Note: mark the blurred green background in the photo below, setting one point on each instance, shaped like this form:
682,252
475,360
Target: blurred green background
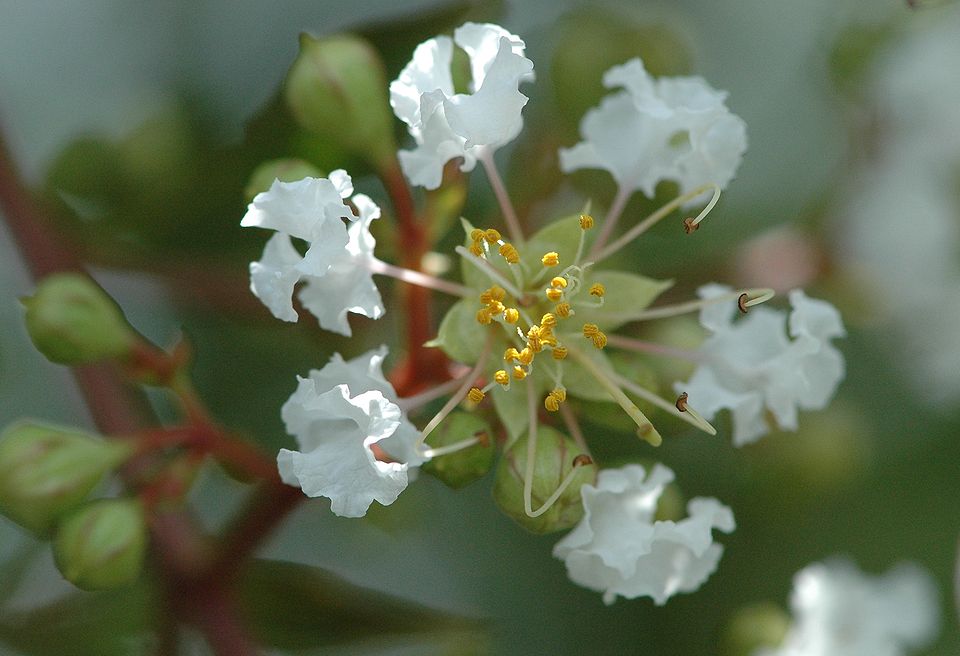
141,123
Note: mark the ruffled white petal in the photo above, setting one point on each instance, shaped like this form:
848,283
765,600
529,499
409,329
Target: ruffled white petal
446,125
751,365
839,611
620,550
311,209
273,278
668,129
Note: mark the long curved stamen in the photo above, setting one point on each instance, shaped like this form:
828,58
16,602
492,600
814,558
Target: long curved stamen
691,418
754,296
503,198
641,346
532,408
645,429
659,215
419,278
573,427
459,396
489,270
411,403
624,192
452,448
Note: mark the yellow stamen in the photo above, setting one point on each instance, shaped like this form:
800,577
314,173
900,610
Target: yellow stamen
525,356
511,315
599,340
484,317
511,354
548,320
554,294
550,259
475,395
519,373
495,307
509,253
554,399
476,249
492,236
559,352
497,293
559,283
502,377
590,329
476,234
562,310
597,289
586,221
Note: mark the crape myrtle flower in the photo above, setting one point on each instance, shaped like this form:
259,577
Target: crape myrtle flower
750,366
839,611
619,549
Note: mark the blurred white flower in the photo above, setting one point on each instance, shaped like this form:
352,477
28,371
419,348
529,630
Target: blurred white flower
336,415
750,365
445,124
619,549
672,128
839,611
336,267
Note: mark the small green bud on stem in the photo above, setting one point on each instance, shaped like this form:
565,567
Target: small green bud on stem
102,544
72,321
46,471
463,467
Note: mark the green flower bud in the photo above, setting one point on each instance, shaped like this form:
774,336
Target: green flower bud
555,458
284,170
337,88
460,468
102,545
46,471
754,627
72,321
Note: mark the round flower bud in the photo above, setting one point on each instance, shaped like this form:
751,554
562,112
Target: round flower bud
762,625
72,321
285,170
337,89
46,471
554,460
102,544
460,468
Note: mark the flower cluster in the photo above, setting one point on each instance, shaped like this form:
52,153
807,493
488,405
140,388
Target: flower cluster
536,321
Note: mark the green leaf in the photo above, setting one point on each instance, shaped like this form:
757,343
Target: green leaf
627,296
579,381
460,335
293,606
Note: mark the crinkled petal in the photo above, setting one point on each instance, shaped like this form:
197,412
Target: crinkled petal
483,42
437,145
273,278
310,209
428,70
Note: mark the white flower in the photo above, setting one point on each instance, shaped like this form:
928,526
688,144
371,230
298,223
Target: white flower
751,364
672,128
619,549
446,125
838,611
336,266
336,415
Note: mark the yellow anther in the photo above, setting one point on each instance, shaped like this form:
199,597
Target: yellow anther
554,294
554,399
497,293
519,373
550,259
476,234
491,235
590,329
486,297
597,289
511,315
502,377
559,352
495,307
476,248
525,356
560,393
586,221
599,340
562,310
510,253
475,395
548,320
559,283
511,354
548,340
484,317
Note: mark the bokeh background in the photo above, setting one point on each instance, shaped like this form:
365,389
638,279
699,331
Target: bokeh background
141,123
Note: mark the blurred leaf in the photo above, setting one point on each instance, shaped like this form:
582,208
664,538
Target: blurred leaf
83,624
294,606
627,296
460,335
854,54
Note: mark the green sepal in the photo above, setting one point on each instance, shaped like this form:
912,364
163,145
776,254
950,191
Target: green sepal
460,335
627,296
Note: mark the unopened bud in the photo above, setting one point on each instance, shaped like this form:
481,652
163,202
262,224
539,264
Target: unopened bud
337,89
102,544
46,471
753,628
72,321
556,456
463,467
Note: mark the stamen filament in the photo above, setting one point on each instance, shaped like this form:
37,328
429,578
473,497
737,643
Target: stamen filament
640,346
419,278
451,448
645,429
656,217
410,403
755,295
490,271
624,192
573,427
503,198
690,417
458,397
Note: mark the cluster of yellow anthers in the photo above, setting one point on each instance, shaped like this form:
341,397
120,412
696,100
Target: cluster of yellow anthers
542,336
